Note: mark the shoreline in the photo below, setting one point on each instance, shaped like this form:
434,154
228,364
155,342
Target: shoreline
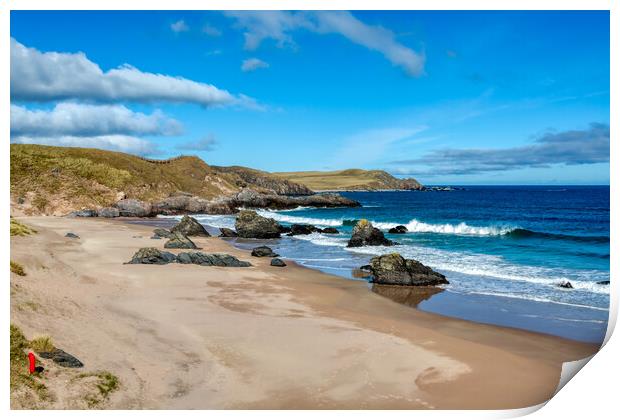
264,337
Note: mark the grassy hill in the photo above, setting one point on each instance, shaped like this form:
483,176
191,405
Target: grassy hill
349,179
56,180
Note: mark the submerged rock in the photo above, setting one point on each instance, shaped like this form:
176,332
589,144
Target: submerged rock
331,231
565,285
152,256
400,229
227,233
396,270
178,240
131,207
189,226
251,225
108,212
303,230
277,262
263,251
72,235
365,234
62,358
604,282
218,260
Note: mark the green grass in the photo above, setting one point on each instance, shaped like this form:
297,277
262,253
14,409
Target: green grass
20,229
106,383
20,376
42,343
349,179
17,268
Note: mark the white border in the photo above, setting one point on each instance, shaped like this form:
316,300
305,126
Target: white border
592,395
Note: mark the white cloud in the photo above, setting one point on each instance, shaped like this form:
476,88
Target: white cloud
278,25
252,64
204,144
73,119
179,26
119,143
211,30
52,76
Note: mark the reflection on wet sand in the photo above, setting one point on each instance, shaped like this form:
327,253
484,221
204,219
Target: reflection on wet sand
410,296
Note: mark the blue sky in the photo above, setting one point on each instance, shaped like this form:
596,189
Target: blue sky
446,97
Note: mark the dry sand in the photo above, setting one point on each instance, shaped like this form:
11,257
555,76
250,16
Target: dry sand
186,336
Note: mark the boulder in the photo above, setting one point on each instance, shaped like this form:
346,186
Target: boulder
131,207
565,285
83,213
162,233
263,251
250,225
218,260
72,235
396,270
178,240
227,233
331,231
277,262
365,234
108,212
152,256
221,205
62,358
171,205
285,229
303,230
400,229
189,226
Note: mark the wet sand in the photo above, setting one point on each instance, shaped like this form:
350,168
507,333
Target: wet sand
186,336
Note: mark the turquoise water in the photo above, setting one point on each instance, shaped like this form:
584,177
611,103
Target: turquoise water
503,249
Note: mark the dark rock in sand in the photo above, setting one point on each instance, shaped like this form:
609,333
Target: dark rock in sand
72,235
83,213
303,230
227,233
218,260
331,231
130,207
364,234
108,212
396,270
162,233
250,225
189,226
61,358
152,256
565,285
178,240
277,262
400,229
263,251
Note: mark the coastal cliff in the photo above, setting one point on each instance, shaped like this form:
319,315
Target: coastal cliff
350,180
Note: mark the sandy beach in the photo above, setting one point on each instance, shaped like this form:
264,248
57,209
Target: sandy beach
192,337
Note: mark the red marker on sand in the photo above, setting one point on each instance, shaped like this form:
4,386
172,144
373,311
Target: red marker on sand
32,362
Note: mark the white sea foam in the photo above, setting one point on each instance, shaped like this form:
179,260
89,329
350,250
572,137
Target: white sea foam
299,220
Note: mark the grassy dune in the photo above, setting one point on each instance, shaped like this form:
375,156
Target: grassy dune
349,179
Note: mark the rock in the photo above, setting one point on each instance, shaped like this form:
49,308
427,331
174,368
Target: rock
71,235
603,282
227,233
108,212
263,251
162,233
218,260
62,358
83,213
331,231
250,198
396,270
130,207
250,225
221,205
285,229
178,240
171,205
364,234
303,230
565,285
152,256
400,229
189,226
277,262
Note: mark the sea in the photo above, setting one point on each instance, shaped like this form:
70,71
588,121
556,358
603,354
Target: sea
504,250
